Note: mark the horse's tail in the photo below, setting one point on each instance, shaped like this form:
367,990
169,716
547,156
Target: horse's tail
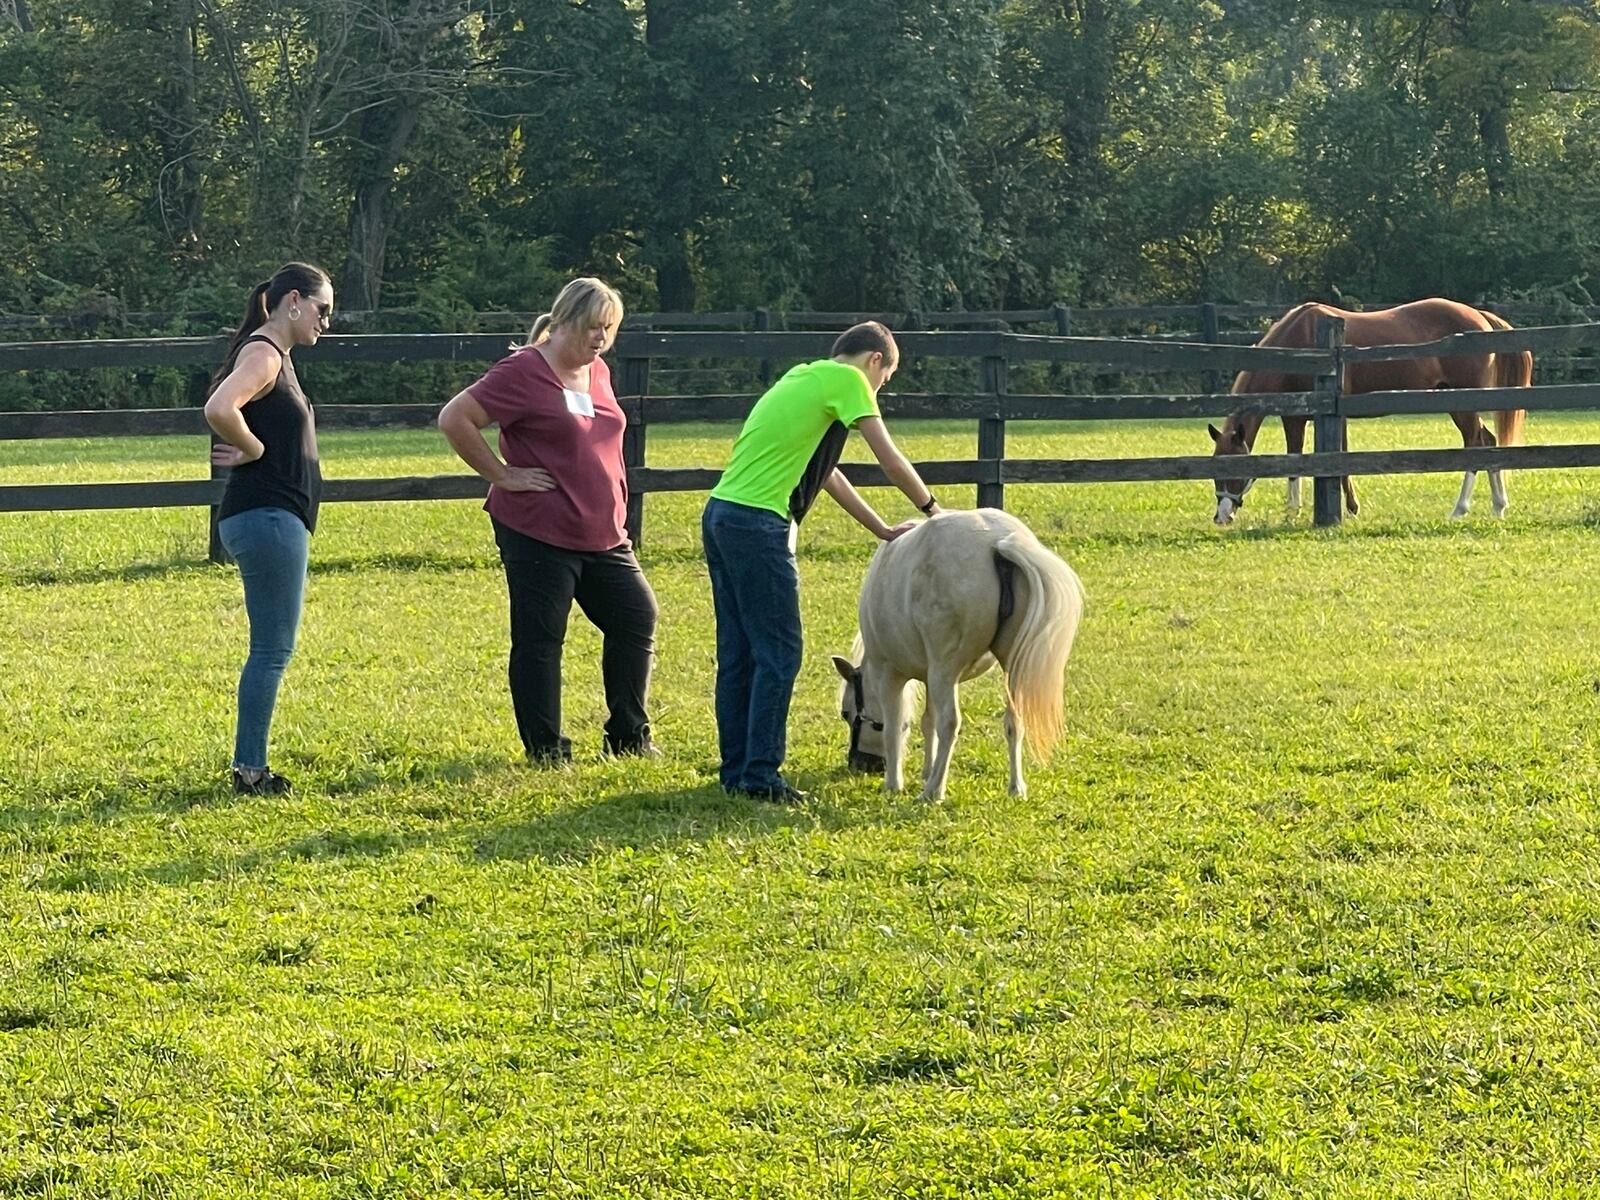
1038,658
1510,370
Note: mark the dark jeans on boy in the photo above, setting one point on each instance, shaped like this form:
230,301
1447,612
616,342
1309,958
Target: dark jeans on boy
613,593
755,589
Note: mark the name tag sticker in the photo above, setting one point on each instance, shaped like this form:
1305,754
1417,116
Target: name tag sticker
579,404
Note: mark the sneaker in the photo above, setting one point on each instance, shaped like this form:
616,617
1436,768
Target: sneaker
782,793
268,783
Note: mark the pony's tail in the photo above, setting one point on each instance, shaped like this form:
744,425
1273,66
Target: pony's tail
1510,370
1039,655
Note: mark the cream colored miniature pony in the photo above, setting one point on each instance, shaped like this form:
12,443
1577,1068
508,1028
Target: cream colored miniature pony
944,603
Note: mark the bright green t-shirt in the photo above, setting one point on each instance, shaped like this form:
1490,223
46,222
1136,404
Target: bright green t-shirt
785,428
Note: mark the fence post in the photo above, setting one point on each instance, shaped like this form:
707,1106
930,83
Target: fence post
199,393
1209,333
635,382
1060,374
763,322
993,371
1329,428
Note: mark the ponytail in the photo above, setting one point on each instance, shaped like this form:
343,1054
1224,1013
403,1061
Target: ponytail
255,315
541,329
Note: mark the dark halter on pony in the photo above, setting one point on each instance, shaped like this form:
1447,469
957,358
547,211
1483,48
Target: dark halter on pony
859,759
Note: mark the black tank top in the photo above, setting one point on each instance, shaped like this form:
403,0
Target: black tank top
289,474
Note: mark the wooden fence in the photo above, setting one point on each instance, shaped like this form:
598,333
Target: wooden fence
991,404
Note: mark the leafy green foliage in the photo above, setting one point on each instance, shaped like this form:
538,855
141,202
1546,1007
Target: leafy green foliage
729,154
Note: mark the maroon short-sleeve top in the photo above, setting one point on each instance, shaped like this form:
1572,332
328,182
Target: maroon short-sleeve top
576,436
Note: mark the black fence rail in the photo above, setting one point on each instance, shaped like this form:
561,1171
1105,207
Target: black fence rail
990,404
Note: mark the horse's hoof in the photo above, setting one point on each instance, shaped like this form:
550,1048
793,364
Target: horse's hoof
1457,513
1353,508
1500,512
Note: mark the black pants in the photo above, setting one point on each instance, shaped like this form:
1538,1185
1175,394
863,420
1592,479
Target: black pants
613,593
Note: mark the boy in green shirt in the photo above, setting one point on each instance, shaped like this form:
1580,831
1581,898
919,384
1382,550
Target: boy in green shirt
787,452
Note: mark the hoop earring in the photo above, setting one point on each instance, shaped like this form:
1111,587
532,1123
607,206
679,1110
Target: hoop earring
294,312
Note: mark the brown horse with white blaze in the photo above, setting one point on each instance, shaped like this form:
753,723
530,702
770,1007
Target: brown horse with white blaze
1420,321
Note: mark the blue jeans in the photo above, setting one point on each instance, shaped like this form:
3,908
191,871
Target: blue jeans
271,546
755,590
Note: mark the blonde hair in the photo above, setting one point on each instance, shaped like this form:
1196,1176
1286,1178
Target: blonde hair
586,301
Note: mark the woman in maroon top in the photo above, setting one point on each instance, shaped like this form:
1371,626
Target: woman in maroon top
558,501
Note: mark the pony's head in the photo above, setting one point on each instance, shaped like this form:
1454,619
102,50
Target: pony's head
866,726
1230,439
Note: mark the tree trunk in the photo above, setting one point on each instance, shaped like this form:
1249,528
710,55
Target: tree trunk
667,238
179,187
1089,101
1498,163
388,128
16,11
675,290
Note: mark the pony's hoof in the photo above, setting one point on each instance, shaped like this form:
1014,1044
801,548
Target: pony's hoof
1457,513
1500,512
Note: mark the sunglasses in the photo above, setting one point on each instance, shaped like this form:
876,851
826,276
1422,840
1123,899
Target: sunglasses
324,307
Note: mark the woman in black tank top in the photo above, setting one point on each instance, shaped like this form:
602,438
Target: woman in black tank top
268,441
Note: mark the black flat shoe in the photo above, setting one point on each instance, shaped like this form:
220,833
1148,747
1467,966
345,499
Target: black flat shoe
268,783
551,756
637,745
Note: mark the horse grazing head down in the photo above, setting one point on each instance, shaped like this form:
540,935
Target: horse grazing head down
1230,492
866,727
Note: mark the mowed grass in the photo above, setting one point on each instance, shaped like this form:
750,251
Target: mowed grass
1304,905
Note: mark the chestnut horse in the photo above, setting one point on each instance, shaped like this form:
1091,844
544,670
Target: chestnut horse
1419,321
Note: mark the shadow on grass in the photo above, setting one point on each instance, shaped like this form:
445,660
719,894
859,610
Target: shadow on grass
1205,535
128,573
178,567
589,829
573,830
98,797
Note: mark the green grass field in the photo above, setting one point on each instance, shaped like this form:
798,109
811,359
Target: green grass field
1306,903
